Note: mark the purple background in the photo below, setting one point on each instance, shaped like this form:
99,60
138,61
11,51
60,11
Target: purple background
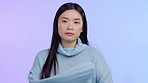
119,28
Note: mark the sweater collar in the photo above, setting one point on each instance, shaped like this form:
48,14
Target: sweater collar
71,51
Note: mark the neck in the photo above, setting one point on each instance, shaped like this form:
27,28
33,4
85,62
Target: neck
68,44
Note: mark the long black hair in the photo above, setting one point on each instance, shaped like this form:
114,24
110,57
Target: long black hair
52,59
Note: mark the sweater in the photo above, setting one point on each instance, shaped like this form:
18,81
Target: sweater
82,64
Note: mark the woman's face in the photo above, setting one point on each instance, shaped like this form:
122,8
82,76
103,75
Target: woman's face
70,25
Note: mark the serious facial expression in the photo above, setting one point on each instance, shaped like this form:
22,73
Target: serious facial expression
70,25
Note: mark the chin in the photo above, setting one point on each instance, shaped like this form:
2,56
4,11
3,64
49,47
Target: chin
70,39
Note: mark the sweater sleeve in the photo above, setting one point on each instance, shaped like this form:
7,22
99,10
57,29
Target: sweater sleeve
39,61
78,74
103,72
35,70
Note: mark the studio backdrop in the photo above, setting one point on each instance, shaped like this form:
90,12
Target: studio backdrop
118,28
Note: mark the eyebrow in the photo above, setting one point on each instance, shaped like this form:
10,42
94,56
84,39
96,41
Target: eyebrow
65,17
77,19
74,19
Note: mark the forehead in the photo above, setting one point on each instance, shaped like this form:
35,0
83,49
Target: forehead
71,14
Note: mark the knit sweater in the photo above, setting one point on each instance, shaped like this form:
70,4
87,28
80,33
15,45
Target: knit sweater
82,64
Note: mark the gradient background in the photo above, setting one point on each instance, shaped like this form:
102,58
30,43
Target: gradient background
119,28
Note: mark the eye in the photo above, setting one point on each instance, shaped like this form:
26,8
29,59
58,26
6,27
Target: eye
77,22
64,21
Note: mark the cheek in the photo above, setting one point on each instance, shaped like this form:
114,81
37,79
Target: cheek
78,31
80,28
62,26
61,29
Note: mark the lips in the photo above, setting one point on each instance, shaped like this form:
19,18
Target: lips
69,34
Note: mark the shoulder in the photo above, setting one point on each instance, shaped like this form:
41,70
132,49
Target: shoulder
94,51
40,58
43,52
96,54
42,55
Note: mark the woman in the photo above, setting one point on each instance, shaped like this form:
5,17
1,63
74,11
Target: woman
70,59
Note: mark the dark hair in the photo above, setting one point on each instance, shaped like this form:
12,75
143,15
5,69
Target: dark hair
52,59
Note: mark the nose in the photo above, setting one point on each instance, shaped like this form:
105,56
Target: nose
70,26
